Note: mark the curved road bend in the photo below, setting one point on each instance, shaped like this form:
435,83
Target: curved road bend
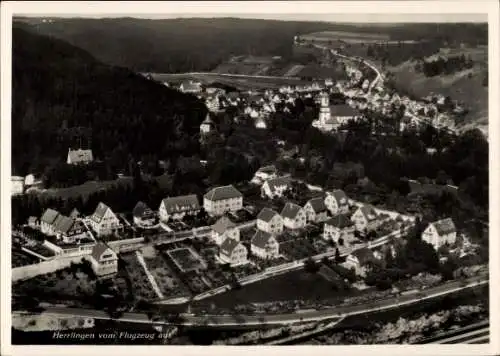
315,315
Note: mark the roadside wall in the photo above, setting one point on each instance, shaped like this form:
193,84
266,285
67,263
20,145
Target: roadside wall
30,271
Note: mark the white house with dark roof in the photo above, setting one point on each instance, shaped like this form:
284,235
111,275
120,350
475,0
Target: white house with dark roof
361,260
270,221
103,260
175,208
47,221
207,125
339,227
365,218
143,215
441,232
79,156
69,230
275,187
294,217
264,245
264,173
224,228
223,199
233,252
17,185
104,221
337,202
316,210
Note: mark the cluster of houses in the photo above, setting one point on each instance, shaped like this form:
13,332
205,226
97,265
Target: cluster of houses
72,238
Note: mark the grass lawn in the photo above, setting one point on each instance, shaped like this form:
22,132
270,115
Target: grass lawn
290,286
84,189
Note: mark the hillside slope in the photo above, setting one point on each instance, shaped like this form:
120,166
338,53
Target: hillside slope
174,45
59,89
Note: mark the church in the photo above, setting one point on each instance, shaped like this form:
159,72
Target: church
331,117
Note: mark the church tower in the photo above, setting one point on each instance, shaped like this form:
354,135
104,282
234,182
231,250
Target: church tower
324,111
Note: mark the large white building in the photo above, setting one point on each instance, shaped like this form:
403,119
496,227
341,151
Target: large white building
294,217
264,245
270,221
104,221
223,229
233,252
175,208
223,199
79,156
103,260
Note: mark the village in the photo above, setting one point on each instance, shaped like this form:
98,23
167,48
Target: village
192,247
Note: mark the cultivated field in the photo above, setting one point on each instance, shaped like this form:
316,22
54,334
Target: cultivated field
349,37
186,260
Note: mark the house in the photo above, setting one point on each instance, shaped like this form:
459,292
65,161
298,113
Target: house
143,215
103,260
224,228
33,222
264,173
365,218
275,187
344,113
79,156
222,199
361,260
270,221
212,104
233,252
260,123
294,217
190,87
337,202
17,185
176,208
264,245
69,230
316,210
440,232
339,229
207,125
104,221
47,221
75,214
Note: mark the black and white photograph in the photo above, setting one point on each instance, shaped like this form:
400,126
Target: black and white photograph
248,176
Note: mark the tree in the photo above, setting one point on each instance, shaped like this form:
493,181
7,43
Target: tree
337,256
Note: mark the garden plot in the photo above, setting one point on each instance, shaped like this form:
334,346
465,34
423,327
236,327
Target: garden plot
140,283
186,259
168,283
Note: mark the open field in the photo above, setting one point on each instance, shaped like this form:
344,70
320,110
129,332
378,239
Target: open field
349,37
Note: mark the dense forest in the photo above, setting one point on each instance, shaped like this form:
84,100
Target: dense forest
444,65
175,45
191,44
58,88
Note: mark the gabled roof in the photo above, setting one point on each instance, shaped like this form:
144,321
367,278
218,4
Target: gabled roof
271,169
222,225
261,238
339,221
369,212
222,193
98,250
278,182
444,226
80,155
49,216
340,196
99,212
181,203
290,210
343,110
64,224
141,210
364,255
228,246
317,204
74,213
266,214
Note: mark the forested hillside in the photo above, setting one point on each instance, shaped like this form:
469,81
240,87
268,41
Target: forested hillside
174,45
61,92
